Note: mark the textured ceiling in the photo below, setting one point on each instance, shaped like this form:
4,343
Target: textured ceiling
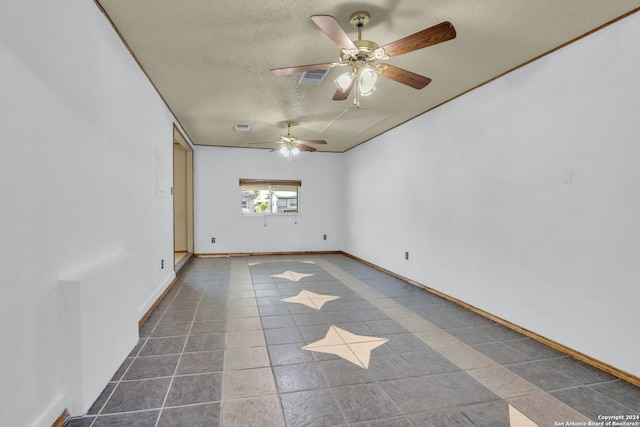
210,60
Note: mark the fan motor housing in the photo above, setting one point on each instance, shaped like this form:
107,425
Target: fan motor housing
365,46
366,49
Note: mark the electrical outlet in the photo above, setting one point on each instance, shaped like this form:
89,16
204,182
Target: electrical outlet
213,240
162,264
324,237
406,255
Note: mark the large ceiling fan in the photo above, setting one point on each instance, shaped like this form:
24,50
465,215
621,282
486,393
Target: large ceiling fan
291,145
359,55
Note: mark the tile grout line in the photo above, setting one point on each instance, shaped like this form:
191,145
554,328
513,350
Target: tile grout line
357,285
487,371
400,415
243,265
299,288
328,387
166,396
266,345
121,378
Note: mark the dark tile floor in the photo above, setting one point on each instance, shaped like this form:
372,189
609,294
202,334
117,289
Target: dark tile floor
223,349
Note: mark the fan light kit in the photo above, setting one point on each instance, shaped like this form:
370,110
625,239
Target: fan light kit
291,145
359,54
289,152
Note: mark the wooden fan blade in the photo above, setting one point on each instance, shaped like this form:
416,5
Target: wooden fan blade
300,68
303,147
311,141
334,31
403,76
442,32
340,95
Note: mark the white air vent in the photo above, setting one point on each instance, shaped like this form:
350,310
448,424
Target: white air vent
314,77
242,128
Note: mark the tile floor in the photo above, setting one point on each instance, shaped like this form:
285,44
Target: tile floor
328,341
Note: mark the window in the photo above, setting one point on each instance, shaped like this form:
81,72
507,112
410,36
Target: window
269,196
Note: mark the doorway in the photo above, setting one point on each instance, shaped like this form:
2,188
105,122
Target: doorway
182,199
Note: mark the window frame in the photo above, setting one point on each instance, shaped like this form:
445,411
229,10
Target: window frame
242,182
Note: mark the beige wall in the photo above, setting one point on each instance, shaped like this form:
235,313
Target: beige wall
183,193
180,198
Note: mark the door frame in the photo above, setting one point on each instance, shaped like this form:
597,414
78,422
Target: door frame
187,188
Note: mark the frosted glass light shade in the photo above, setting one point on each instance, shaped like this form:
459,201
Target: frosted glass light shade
367,81
344,81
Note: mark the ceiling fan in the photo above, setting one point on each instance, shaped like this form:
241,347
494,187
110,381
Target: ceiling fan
291,145
359,55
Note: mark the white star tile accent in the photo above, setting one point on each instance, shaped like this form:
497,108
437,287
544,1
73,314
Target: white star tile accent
292,275
518,419
310,299
354,348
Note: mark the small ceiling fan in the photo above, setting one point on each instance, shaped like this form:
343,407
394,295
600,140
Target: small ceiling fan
359,55
291,145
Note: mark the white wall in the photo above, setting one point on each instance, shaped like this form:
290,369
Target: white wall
487,218
81,129
475,192
218,197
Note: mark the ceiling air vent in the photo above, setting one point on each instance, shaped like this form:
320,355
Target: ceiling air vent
313,77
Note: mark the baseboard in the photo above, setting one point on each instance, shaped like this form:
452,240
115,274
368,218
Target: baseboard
164,293
183,262
59,422
630,378
238,254
157,301
49,413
